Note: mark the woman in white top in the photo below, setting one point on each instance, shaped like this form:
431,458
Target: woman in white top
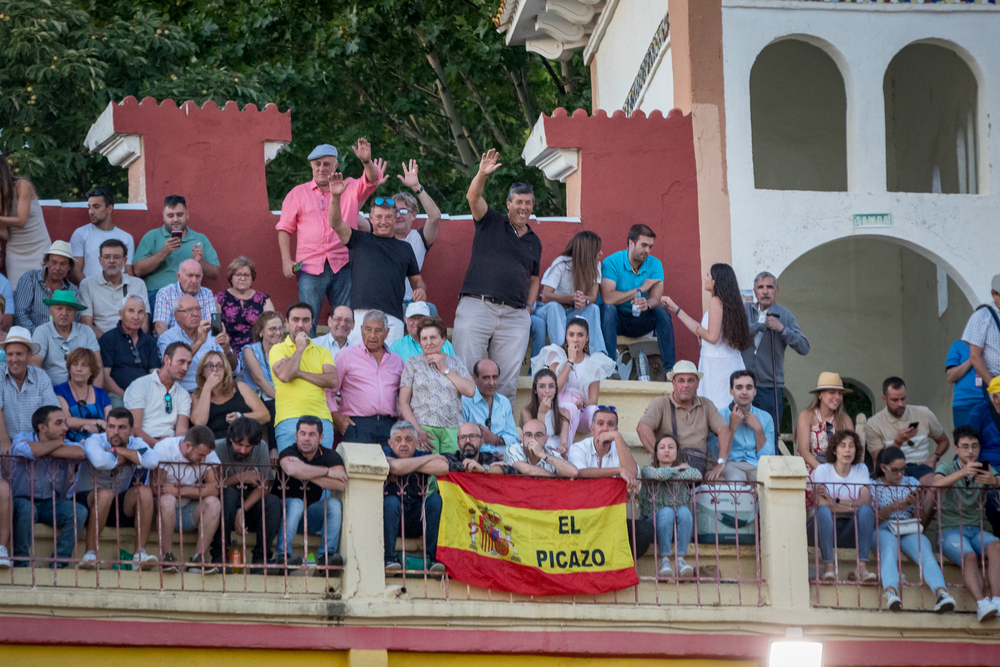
844,517
544,407
569,289
723,331
21,223
578,374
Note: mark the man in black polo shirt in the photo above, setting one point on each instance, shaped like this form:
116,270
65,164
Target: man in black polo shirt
310,469
404,505
494,310
380,264
127,352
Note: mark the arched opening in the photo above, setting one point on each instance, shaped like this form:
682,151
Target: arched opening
798,115
931,133
870,309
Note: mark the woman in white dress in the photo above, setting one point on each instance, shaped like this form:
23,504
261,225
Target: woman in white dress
544,406
21,223
723,331
578,374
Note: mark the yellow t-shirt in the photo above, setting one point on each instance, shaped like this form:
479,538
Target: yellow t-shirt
299,397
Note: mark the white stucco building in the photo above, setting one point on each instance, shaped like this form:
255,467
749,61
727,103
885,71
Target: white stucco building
846,147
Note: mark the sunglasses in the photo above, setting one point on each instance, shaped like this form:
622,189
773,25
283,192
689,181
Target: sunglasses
384,200
65,348
489,423
607,408
136,358
402,211
169,402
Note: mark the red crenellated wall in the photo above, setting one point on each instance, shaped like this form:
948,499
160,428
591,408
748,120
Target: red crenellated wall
634,169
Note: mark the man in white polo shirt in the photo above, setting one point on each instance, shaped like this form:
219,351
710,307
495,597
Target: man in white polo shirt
102,292
160,406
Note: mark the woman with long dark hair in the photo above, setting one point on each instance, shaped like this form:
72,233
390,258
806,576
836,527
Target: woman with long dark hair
723,331
21,223
544,406
569,289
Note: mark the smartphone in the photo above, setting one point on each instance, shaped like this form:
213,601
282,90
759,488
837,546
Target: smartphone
914,424
216,324
297,267
177,234
983,465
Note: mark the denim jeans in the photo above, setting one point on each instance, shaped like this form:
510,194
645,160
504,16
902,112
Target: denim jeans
664,522
373,430
765,401
956,542
917,547
284,433
395,521
336,287
24,524
330,529
263,518
554,317
864,518
656,319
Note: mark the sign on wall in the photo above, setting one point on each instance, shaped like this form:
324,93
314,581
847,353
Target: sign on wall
873,220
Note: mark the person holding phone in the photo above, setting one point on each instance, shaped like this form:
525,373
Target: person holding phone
190,328
912,428
189,277
161,250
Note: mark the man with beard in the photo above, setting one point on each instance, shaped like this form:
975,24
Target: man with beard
469,458
533,460
34,286
502,281
912,428
247,503
161,407
107,477
87,241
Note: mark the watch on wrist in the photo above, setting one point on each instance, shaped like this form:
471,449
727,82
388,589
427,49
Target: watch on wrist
720,461
447,371
419,190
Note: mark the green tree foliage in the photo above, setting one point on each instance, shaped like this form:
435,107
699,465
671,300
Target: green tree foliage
424,79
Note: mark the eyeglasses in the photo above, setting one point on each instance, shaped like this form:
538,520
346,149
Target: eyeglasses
402,211
215,367
384,200
470,436
896,471
967,448
192,309
169,402
541,435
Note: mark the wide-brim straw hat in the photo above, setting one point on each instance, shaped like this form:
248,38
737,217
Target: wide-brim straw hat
828,381
684,367
22,336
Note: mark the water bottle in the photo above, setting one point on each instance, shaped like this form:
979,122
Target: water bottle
643,367
635,309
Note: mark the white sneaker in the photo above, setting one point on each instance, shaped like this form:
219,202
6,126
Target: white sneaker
985,610
89,561
892,601
665,569
144,561
946,603
683,569
4,560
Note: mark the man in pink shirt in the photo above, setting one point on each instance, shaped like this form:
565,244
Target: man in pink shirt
368,382
325,269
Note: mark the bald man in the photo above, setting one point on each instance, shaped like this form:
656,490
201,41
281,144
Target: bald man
492,411
469,458
189,276
530,458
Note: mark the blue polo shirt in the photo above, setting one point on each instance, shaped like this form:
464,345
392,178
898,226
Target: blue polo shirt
128,362
476,411
745,443
966,391
616,267
407,347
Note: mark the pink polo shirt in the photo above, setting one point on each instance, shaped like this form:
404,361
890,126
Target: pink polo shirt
366,388
305,211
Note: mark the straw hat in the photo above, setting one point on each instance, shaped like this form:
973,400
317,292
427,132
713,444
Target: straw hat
827,381
20,335
61,248
684,368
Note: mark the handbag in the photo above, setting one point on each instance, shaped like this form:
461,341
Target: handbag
901,527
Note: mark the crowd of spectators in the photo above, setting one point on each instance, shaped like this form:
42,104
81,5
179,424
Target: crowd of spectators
117,360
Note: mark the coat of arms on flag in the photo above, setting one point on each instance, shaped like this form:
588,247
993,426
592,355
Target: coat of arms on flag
535,536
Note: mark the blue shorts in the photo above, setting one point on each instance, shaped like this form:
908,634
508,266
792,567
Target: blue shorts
956,542
185,516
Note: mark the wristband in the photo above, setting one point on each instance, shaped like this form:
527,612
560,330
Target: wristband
678,311
419,191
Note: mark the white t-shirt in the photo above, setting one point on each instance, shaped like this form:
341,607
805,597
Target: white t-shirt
86,242
583,455
416,240
148,394
559,275
845,488
183,471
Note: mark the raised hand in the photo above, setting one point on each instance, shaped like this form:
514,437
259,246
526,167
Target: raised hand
337,184
381,164
409,177
488,164
363,150
668,303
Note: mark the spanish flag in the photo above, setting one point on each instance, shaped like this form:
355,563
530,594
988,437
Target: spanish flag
535,536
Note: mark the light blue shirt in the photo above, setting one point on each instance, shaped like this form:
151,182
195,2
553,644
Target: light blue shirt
407,347
745,442
616,267
38,478
476,410
175,334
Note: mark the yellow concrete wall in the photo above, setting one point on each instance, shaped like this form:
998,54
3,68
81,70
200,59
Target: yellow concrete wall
60,656
495,660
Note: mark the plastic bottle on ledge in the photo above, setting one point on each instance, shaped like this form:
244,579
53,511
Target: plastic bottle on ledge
643,368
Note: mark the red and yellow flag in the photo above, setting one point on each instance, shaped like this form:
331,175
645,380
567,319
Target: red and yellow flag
535,536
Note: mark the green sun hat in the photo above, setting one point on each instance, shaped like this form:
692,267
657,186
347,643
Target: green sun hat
64,297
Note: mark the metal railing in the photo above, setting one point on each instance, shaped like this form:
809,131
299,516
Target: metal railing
46,492
846,590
